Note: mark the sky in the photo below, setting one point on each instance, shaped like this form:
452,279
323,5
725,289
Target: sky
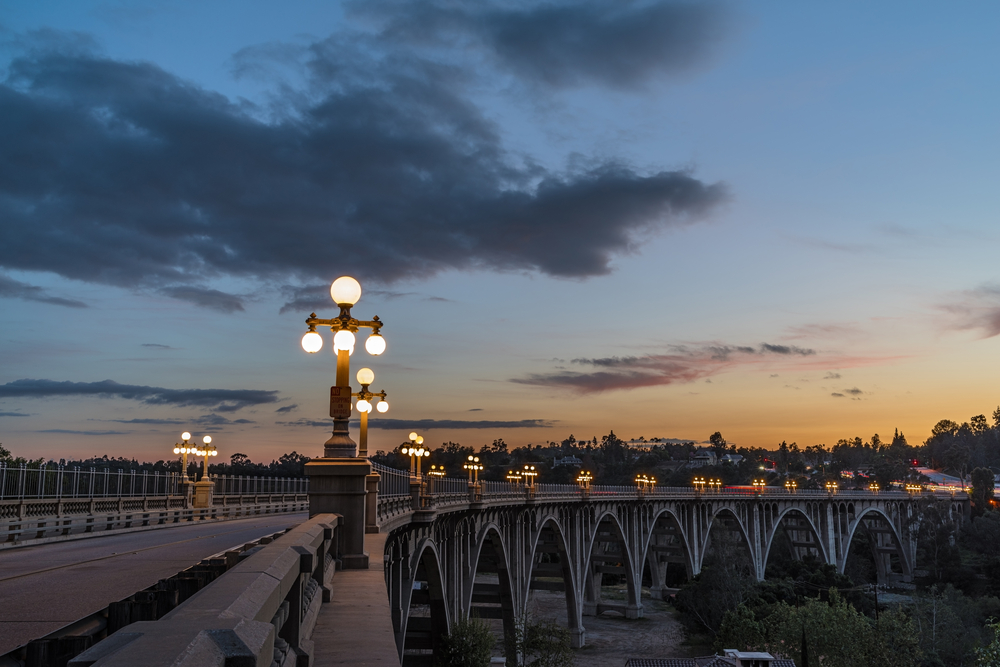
778,221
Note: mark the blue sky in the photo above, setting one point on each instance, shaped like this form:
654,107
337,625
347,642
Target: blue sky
659,218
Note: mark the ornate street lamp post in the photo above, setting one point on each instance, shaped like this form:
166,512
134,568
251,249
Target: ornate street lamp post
715,485
473,466
529,473
342,482
514,477
790,486
203,487
365,377
416,451
758,486
184,448
346,292
584,479
831,487
699,484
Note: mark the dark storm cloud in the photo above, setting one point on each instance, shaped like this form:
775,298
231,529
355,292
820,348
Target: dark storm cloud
222,400
205,297
14,289
681,364
120,173
620,44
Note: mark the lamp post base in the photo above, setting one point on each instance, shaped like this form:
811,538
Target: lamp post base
338,486
203,494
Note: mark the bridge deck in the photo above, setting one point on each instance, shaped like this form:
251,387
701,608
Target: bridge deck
355,628
46,587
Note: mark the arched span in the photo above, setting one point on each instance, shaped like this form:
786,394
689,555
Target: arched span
549,538
421,633
601,561
897,541
681,533
781,516
741,530
482,598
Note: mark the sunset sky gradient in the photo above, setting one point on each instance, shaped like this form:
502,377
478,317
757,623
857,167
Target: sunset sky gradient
667,219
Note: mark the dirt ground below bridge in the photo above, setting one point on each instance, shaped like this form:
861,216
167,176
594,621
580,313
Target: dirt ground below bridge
612,639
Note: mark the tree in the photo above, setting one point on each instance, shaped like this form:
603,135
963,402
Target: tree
469,644
989,655
982,489
718,443
541,643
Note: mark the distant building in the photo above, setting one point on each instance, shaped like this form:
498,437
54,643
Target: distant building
704,457
730,658
735,459
570,460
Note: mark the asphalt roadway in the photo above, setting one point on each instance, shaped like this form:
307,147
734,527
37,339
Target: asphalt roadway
48,586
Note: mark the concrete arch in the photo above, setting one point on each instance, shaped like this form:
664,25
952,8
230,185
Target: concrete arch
574,606
424,635
713,515
491,537
667,521
681,531
594,569
882,567
779,517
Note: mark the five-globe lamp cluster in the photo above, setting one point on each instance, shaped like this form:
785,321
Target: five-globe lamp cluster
345,292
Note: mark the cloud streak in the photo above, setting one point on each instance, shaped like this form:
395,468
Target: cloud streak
431,424
977,309
14,289
222,400
681,364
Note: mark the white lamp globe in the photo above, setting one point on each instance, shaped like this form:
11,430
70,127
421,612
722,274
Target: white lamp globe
207,439
382,406
364,406
185,436
215,452
420,439
366,376
413,436
177,450
312,342
345,291
343,340
375,344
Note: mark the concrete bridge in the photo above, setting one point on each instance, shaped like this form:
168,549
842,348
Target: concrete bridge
482,549
412,555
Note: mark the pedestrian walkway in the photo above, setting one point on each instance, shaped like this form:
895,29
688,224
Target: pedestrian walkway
355,627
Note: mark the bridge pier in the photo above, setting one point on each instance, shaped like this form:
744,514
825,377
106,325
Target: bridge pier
339,486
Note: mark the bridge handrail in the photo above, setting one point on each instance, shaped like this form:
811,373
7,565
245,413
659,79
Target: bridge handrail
24,482
262,611
392,482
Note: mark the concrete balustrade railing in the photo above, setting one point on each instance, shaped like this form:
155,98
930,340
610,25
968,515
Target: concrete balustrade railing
29,521
261,612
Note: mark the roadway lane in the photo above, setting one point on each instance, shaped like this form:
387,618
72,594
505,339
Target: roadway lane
44,587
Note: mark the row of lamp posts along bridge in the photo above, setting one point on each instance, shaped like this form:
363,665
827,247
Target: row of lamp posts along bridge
330,490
